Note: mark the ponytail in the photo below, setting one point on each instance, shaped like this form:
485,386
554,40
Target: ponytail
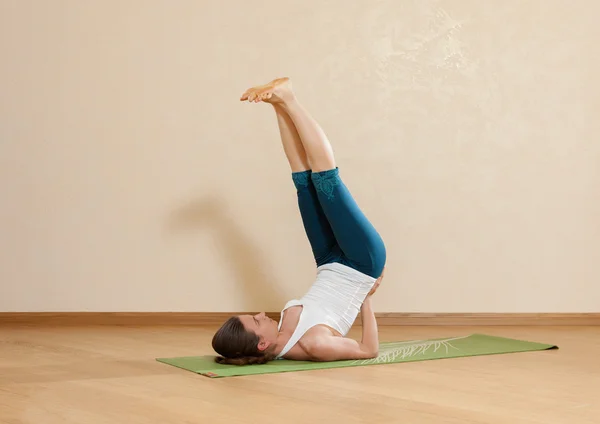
245,360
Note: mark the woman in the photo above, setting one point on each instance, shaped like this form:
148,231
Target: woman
349,253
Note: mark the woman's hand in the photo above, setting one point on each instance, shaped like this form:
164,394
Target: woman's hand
377,284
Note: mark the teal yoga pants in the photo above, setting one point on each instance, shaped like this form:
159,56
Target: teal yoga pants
336,228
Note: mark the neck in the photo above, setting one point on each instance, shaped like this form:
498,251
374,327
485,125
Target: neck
282,338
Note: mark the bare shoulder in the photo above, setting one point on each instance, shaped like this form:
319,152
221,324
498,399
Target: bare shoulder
303,350
313,337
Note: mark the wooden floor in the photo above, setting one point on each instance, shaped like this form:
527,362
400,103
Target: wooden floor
92,375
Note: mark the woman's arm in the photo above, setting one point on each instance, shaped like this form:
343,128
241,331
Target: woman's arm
370,333
331,348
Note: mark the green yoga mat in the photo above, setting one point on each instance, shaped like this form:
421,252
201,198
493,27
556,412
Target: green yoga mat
389,353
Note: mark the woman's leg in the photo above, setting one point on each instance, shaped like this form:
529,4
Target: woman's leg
315,141
290,139
318,230
360,243
358,239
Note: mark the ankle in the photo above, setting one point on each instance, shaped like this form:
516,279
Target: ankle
289,101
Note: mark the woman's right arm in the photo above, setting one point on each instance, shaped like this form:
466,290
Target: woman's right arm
332,348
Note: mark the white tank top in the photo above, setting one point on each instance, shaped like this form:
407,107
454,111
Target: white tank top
334,299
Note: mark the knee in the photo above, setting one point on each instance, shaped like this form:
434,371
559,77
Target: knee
326,181
379,261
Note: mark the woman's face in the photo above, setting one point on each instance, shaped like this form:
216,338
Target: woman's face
263,326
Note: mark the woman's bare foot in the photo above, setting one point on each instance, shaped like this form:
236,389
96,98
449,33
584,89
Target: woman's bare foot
277,91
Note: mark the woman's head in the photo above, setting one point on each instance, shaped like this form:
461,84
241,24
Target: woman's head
246,339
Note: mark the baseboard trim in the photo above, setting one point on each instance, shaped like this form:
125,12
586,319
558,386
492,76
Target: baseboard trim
216,318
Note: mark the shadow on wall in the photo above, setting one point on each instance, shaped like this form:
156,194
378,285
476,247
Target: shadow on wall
252,272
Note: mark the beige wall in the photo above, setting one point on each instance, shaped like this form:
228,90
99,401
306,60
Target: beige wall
132,179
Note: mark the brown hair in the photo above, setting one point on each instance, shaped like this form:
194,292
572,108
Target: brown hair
238,346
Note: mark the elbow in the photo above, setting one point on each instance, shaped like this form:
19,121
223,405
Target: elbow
372,353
